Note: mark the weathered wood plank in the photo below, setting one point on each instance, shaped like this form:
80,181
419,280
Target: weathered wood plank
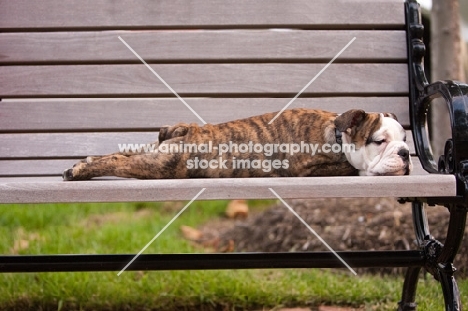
61,145
10,168
193,46
201,79
78,145
147,14
149,113
52,189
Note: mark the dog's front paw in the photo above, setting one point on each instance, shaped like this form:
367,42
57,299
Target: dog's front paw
68,174
77,172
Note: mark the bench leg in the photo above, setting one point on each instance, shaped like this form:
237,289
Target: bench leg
421,230
449,288
408,296
439,257
448,283
444,264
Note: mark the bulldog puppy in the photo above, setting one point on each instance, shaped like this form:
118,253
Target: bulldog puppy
299,143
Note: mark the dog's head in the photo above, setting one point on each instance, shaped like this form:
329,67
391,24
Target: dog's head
379,143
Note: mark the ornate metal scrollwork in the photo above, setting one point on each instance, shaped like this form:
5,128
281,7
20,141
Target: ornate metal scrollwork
432,249
447,161
416,47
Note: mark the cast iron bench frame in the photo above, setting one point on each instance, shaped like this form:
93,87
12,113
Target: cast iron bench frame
431,255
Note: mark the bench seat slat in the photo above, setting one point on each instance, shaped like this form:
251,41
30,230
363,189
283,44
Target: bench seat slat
148,14
150,113
53,189
201,46
202,79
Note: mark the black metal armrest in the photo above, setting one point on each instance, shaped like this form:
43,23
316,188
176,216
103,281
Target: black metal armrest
455,94
455,157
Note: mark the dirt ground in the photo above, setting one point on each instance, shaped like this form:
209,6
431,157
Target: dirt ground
345,224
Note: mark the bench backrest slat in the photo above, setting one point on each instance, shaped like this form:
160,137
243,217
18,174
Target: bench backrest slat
63,145
75,145
201,46
113,114
202,80
149,14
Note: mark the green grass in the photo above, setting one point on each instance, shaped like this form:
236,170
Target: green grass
126,228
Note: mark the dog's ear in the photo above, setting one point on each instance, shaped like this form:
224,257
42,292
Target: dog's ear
349,119
391,115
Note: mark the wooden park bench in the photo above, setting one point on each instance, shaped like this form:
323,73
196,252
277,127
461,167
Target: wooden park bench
70,88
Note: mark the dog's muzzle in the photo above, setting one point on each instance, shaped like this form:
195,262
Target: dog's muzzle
405,156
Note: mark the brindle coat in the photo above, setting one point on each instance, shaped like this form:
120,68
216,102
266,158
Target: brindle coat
292,126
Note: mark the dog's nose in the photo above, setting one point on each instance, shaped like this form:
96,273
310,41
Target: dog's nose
404,154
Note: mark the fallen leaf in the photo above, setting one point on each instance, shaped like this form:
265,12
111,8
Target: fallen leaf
19,245
237,209
229,248
191,233
332,308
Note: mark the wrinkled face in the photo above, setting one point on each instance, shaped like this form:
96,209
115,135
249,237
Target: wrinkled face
379,141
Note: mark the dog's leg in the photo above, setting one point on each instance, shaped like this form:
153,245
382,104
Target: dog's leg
91,159
134,164
142,166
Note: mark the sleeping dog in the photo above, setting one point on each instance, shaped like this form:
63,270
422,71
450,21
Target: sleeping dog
299,143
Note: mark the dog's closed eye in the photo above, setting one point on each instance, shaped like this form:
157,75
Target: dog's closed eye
379,142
